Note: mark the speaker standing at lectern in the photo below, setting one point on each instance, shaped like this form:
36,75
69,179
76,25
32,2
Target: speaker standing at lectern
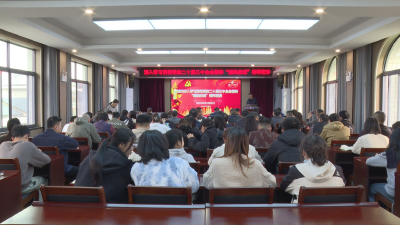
251,100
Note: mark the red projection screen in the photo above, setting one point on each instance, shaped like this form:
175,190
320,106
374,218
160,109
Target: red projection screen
207,94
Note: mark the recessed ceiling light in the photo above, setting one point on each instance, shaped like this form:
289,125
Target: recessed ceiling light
177,24
257,52
158,65
337,50
139,49
74,50
287,24
319,11
204,9
272,49
277,73
252,64
153,52
187,52
205,64
232,24
205,49
111,25
298,65
223,52
89,11
112,65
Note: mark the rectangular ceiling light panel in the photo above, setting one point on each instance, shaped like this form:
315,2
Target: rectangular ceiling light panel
153,52
112,25
233,24
187,52
257,52
223,52
178,24
287,24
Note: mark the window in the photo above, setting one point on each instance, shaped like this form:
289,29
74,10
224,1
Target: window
299,90
79,87
331,88
17,72
113,87
390,85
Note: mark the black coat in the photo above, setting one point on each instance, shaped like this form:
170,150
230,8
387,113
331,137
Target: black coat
209,140
284,149
233,118
130,123
115,174
189,130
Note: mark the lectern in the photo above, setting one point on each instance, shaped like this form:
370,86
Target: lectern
251,107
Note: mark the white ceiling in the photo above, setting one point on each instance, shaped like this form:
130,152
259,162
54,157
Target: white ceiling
345,24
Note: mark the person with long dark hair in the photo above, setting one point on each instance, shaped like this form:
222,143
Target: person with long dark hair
10,124
126,119
235,168
185,125
157,168
372,137
316,171
109,166
389,159
250,124
176,144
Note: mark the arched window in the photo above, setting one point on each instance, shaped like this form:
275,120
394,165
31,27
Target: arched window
331,88
299,90
390,87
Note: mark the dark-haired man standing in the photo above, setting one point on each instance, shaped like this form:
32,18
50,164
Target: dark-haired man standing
52,137
251,100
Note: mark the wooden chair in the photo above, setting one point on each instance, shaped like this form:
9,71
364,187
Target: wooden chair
193,152
196,166
351,194
63,133
388,205
104,135
73,194
30,139
82,140
368,152
49,150
250,195
13,164
283,167
262,151
209,153
160,195
343,142
354,136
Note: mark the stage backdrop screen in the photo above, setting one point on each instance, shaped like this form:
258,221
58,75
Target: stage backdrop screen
207,94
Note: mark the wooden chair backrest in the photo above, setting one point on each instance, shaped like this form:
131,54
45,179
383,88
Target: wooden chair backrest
209,153
343,142
104,135
82,140
283,167
53,150
9,164
196,166
193,152
354,136
249,195
159,195
368,152
335,194
30,139
73,194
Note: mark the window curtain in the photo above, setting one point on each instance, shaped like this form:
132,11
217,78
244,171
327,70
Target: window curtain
341,79
152,94
263,91
122,91
314,86
98,87
305,88
136,91
291,78
277,94
106,80
363,92
50,82
69,89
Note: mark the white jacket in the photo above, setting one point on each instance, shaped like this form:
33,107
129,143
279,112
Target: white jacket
370,141
219,152
160,127
181,153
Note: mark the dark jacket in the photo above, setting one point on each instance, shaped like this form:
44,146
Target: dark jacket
252,101
240,123
190,130
170,124
64,143
385,130
276,119
209,140
346,123
284,149
115,173
233,118
128,122
318,127
103,126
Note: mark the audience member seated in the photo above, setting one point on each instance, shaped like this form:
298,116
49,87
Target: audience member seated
226,117
166,121
174,117
344,118
233,117
313,117
95,119
71,120
277,118
381,117
288,114
91,117
372,137
335,130
52,137
219,152
82,128
316,171
193,112
240,122
127,121
176,145
389,159
285,148
235,168
157,168
220,124
110,115
282,114
255,115
29,156
157,125
109,166
200,112
185,125
102,124
142,124
299,116
396,125
263,137
209,139
215,113
10,124
112,106
149,111
250,124
132,115
319,126
116,122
